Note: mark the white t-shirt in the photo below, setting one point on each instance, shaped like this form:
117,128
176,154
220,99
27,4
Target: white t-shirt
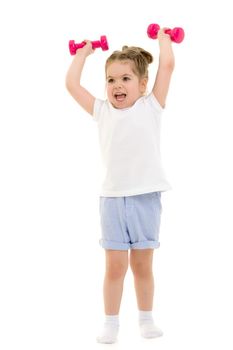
130,147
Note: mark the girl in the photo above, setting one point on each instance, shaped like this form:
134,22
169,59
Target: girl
130,202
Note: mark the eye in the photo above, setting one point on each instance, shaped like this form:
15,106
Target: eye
110,80
126,78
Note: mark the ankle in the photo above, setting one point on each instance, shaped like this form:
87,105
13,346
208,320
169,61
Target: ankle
112,320
145,317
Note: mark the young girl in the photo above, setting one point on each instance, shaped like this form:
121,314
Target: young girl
130,202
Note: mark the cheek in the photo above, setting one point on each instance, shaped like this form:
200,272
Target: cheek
137,90
108,89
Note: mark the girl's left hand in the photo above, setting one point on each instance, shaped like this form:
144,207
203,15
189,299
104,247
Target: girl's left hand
162,35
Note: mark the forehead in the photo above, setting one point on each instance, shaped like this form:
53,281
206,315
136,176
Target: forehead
120,68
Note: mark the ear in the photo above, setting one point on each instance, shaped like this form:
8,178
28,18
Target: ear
143,84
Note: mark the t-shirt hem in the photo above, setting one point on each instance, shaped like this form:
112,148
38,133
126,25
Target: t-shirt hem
134,192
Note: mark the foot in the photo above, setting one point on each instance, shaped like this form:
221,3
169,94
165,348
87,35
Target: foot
149,330
108,335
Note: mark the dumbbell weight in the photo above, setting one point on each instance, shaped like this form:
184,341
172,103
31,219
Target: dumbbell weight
102,43
176,34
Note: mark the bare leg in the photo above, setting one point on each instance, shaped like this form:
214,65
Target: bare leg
141,264
116,268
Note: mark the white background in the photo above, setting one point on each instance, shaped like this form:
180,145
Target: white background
51,265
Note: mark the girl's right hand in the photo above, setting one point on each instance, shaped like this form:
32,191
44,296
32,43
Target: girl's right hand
86,50
162,35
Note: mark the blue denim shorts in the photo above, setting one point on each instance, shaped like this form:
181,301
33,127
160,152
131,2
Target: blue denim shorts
131,222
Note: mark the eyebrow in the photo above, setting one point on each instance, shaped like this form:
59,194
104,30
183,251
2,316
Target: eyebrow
123,75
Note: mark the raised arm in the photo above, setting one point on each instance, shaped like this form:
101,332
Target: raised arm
73,77
165,68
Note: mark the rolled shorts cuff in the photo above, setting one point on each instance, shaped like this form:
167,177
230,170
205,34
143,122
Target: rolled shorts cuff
145,245
112,245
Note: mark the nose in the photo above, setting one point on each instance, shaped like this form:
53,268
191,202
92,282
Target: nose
118,83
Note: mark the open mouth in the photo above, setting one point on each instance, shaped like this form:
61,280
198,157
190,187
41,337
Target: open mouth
120,96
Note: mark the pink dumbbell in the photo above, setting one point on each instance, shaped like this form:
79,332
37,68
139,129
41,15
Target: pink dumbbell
176,34
95,44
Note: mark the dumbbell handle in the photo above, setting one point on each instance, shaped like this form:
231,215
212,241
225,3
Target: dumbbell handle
73,47
176,34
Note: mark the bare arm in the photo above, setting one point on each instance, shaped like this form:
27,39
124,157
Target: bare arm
73,77
165,69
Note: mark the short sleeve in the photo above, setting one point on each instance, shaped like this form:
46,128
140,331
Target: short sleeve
98,105
153,102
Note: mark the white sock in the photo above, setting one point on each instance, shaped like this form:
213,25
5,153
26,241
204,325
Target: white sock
147,326
109,333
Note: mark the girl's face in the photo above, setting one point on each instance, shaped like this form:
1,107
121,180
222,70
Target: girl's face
123,86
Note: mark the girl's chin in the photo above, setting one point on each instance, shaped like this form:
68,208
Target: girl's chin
120,104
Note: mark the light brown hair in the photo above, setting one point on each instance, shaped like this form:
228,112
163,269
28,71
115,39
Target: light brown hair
138,56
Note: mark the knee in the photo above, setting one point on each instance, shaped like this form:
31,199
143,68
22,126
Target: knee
116,270
141,269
